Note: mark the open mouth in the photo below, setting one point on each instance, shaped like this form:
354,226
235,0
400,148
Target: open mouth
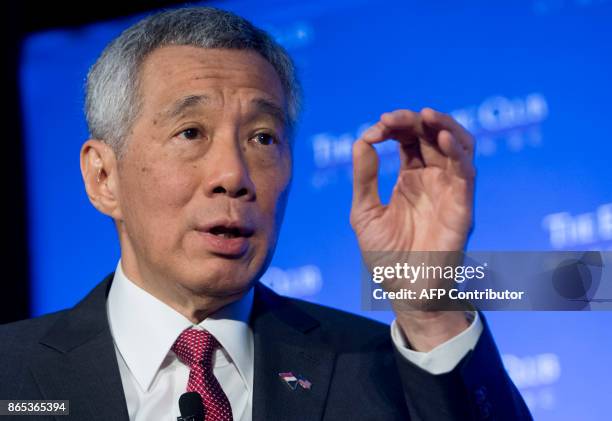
229,232
226,238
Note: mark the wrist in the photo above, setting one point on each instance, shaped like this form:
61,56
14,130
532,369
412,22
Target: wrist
425,330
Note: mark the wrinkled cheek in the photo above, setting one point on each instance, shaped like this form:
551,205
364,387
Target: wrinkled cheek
156,203
276,213
165,193
175,190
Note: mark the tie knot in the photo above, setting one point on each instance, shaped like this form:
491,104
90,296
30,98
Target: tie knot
195,346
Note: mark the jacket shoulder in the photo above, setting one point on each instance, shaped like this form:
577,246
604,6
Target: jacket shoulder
19,346
16,336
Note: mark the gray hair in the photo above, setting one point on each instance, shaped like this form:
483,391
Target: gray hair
112,100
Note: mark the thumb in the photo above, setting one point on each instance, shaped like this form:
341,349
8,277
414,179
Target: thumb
365,179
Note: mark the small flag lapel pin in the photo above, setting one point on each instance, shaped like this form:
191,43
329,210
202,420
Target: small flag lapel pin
304,383
289,379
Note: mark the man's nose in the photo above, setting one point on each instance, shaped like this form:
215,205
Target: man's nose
228,172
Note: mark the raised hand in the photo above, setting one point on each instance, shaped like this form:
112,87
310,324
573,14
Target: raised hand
431,205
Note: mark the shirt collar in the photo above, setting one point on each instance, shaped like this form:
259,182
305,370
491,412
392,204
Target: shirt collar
139,321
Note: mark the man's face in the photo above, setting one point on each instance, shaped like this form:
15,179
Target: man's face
205,174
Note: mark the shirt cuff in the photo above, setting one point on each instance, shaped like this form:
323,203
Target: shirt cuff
444,357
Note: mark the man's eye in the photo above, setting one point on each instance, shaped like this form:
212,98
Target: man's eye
190,134
264,139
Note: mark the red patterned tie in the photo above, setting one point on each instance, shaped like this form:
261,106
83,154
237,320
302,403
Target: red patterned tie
195,348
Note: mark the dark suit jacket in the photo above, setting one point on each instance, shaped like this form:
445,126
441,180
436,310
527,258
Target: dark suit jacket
350,361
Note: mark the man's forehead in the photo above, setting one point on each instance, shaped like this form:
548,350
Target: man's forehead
186,77
183,64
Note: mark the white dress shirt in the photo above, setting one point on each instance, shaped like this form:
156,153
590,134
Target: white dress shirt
144,330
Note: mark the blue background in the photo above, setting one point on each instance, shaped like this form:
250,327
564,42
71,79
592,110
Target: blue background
531,80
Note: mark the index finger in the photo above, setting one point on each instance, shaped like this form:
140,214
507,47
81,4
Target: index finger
442,121
404,126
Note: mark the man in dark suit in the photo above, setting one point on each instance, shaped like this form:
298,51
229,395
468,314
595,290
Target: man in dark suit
191,114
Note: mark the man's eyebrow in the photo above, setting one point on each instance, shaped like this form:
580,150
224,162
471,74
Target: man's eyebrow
182,105
262,105
266,106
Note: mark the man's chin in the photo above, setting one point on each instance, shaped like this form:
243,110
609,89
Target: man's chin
216,283
220,276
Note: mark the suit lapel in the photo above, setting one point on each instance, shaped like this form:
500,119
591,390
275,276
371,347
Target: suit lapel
287,341
82,366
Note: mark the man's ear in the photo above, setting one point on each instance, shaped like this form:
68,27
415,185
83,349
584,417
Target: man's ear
99,171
